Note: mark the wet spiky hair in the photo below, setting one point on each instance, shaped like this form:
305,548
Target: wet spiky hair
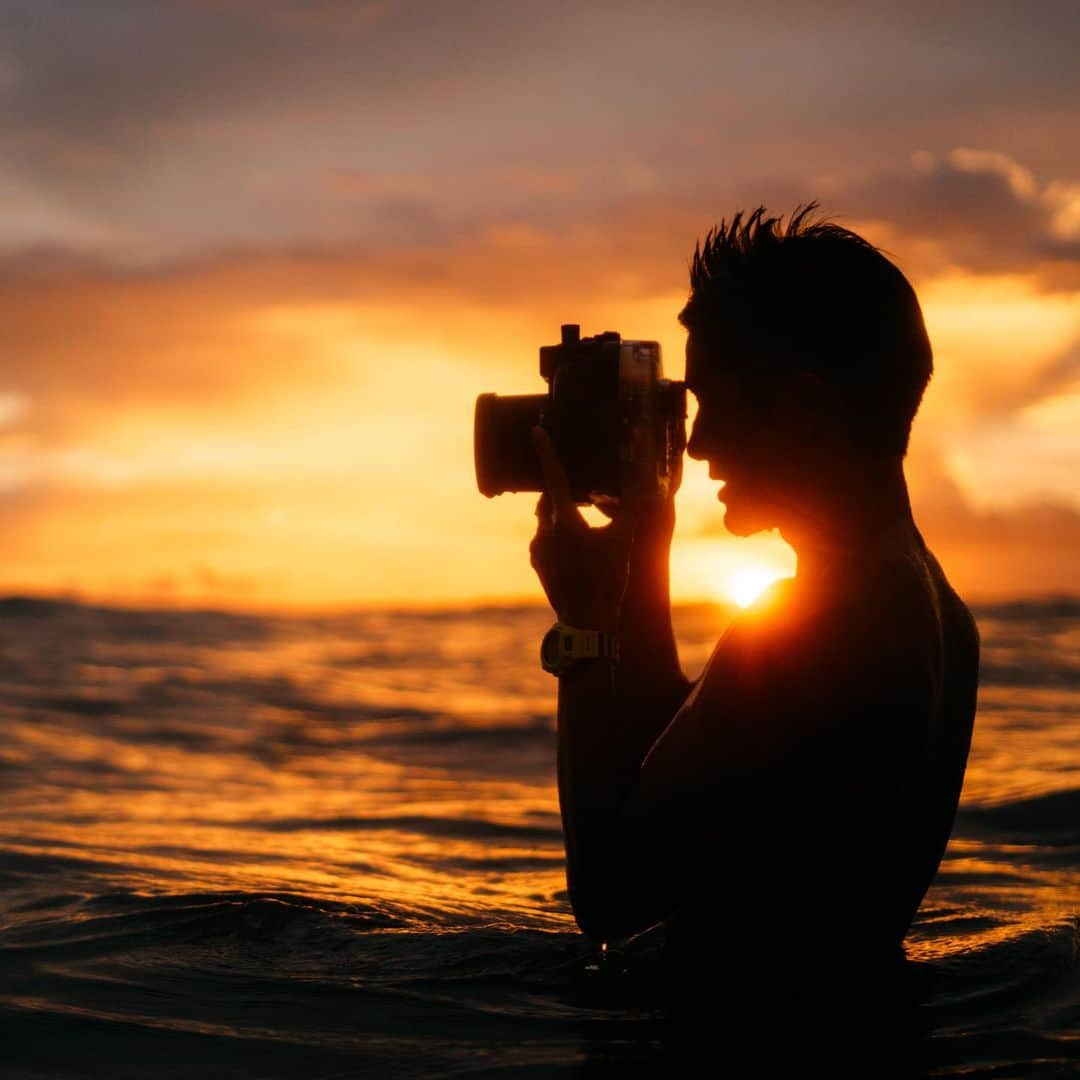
817,297
750,237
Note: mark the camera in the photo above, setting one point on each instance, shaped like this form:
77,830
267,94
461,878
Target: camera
617,424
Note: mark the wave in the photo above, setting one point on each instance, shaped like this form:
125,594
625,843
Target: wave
270,921
295,985
1060,606
1052,818
465,828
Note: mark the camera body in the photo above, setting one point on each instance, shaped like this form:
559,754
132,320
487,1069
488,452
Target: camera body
617,424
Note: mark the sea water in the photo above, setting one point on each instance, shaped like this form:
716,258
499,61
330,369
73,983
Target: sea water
255,845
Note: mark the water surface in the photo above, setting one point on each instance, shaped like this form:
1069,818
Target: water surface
263,845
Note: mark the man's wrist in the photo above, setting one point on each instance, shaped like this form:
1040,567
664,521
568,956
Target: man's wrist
565,646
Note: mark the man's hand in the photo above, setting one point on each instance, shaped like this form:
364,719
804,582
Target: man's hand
652,516
583,570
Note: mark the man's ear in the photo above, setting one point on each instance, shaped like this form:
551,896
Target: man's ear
808,408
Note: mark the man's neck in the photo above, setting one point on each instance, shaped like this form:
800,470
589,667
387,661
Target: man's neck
850,513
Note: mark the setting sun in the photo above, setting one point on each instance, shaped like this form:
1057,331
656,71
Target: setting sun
746,585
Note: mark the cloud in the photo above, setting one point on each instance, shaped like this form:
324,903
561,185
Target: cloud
180,128
81,335
261,256
1029,384
81,330
300,423
1028,548
979,210
79,340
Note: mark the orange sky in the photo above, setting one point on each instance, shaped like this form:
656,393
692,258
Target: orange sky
256,262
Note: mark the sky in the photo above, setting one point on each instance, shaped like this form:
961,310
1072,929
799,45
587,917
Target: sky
257,259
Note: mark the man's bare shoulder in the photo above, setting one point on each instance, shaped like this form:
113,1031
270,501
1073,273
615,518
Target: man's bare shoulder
958,622
824,634
842,667
818,659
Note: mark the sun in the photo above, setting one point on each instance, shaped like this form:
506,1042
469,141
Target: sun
727,571
744,586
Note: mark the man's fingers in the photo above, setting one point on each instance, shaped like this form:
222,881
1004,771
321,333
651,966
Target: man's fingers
545,518
608,505
556,485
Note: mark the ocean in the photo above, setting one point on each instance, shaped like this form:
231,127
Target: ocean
259,845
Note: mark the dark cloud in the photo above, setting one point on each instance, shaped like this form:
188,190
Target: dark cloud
107,74
179,127
978,210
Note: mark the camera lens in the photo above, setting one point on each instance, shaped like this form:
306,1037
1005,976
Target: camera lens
502,444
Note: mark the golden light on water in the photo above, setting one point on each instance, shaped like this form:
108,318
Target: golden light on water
342,759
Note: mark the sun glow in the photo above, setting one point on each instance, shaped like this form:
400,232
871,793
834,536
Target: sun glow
746,585
728,570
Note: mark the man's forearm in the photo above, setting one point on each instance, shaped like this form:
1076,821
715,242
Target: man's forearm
613,580
645,620
649,681
597,766
609,717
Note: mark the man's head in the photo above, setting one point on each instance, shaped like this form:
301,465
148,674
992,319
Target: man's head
806,348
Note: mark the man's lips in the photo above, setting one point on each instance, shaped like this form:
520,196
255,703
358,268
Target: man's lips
714,474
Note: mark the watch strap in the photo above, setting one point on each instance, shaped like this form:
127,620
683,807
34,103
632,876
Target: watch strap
564,645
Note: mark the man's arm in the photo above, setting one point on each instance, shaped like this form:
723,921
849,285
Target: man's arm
609,718
613,579
649,681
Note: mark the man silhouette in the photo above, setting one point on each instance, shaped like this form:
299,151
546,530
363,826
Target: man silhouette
797,797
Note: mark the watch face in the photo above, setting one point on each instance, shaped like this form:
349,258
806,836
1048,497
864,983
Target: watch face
549,649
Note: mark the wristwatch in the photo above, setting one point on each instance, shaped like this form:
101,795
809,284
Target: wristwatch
563,646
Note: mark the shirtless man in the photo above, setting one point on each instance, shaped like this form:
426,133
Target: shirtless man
799,795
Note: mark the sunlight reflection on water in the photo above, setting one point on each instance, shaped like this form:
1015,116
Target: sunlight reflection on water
403,765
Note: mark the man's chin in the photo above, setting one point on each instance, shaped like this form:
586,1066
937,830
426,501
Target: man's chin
744,520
